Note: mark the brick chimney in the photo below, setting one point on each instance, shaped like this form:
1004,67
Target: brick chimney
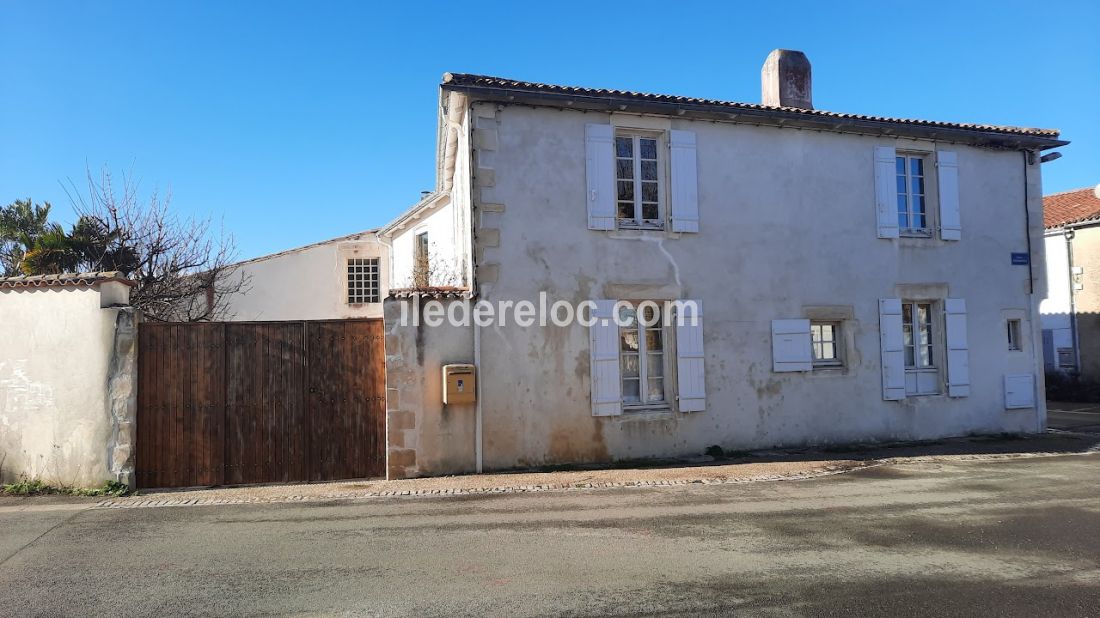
786,81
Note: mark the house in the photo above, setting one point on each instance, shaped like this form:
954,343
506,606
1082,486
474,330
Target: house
345,277
1070,311
853,278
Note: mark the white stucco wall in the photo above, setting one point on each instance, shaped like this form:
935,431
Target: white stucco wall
308,283
1055,309
787,224
55,418
445,246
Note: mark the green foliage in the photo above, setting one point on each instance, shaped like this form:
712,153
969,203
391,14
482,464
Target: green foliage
1070,387
35,487
22,223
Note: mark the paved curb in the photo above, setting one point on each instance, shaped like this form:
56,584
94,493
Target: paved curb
130,503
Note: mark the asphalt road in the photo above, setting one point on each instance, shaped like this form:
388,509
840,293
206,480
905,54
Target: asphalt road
1080,417
1018,537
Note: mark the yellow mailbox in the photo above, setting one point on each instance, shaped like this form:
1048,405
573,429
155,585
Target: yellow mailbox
459,384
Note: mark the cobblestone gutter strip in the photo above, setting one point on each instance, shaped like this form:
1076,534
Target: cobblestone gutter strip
601,479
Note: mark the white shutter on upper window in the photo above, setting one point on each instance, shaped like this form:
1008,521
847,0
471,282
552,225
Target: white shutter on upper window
886,191
685,182
792,346
958,353
691,392
603,338
892,343
947,168
600,172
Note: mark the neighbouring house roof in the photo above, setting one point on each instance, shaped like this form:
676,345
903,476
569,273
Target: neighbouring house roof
350,237
508,90
64,279
1071,207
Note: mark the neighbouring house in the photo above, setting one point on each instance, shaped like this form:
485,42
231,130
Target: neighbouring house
860,278
346,277
1071,309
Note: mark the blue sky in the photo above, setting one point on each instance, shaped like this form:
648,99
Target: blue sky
294,122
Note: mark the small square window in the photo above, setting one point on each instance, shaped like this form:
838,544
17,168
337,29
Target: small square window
1014,343
825,339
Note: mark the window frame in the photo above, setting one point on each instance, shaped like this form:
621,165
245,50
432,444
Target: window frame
936,345
1015,333
638,222
837,341
421,267
372,292
927,162
642,353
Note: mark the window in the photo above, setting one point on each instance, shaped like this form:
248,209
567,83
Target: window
1014,336
824,338
918,333
912,205
1066,358
642,354
363,281
421,265
638,181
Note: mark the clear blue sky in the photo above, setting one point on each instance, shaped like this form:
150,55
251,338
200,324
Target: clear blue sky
299,121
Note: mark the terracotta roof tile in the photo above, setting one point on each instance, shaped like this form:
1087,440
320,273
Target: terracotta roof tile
1077,206
485,81
64,279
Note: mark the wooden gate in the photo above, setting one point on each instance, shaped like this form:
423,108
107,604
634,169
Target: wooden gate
260,402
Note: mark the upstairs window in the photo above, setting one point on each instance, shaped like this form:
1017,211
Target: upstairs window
638,183
363,281
913,216
421,265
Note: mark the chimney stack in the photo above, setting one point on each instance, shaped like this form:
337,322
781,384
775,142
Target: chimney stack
785,80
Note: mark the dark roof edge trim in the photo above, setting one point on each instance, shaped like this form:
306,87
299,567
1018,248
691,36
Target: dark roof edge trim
774,117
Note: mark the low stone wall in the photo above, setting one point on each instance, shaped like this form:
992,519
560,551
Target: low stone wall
424,437
68,370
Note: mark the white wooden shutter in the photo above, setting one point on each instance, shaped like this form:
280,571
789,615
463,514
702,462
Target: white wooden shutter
947,167
600,171
792,347
1019,391
691,390
603,337
892,345
685,182
886,191
958,353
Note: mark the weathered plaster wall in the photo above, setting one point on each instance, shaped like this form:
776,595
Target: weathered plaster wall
308,283
425,437
1086,255
788,223
67,392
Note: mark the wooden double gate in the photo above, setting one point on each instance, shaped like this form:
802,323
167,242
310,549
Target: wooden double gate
258,402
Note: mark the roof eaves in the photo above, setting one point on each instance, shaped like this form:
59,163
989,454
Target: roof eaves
617,100
65,280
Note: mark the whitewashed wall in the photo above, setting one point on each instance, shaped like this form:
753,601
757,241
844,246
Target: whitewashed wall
445,246
64,418
1055,309
308,283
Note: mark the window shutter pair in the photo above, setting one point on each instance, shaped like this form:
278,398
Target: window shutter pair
599,142
892,342
792,346
886,193
603,336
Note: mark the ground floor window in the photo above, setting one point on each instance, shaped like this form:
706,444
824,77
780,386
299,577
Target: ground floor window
642,353
363,281
919,330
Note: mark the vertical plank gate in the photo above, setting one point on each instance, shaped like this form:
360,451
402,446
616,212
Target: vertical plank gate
236,403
